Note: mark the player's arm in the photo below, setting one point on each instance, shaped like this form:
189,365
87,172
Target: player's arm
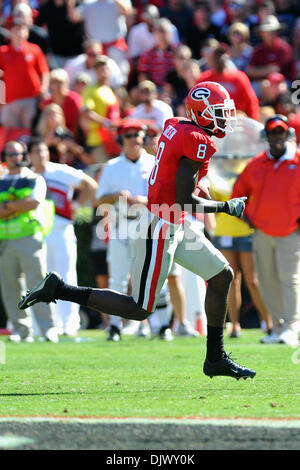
185,197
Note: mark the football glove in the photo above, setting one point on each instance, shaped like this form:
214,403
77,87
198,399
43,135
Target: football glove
236,206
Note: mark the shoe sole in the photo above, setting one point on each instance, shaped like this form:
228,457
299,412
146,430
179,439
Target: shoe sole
245,377
26,302
237,378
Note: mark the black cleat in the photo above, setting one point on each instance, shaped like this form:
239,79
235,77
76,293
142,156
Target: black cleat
43,292
227,367
114,334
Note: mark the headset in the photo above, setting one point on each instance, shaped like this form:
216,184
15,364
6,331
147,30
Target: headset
143,130
24,153
291,131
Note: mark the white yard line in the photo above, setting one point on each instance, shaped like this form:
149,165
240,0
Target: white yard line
244,422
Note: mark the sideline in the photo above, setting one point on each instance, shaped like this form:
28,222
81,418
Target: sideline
244,422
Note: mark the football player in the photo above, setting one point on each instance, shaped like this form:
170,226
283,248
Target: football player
162,236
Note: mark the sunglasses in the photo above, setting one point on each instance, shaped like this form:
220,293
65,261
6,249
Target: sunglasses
13,154
130,136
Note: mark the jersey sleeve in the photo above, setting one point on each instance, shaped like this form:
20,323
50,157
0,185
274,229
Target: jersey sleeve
41,61
71,176
198,147
39,191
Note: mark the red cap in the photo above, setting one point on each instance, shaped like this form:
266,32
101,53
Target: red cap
276,123
131,124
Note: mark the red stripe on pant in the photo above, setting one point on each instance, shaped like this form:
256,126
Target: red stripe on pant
158,263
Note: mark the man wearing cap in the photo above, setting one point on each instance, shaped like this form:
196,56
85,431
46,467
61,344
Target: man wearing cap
150,107
25,72
123,189
271,182
273,55
273,89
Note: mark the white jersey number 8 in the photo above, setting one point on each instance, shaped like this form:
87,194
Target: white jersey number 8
201,151
158,156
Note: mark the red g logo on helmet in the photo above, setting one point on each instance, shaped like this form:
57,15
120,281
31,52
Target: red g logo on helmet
208,104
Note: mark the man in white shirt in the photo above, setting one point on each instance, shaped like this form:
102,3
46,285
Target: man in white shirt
151,108
105,20
61,181
85,63
141,36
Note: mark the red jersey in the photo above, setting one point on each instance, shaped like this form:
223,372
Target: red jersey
22,70
156,64
279,53
273,192
179,138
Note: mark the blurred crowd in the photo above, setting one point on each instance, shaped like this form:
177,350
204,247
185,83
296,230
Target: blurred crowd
100,61
71,71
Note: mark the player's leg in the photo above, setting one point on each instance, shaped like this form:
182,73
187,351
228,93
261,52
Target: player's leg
150,271
198,255
53,288
152,263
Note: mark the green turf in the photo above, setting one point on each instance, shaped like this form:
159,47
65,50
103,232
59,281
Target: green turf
146,378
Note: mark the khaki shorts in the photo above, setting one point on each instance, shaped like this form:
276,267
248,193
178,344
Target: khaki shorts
158,244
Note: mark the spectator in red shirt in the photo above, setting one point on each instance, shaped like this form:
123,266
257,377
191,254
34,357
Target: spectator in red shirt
70,101
273,55
271,183
157,62
25,72
235,81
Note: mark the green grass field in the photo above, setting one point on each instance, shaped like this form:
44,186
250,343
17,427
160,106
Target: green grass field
146,378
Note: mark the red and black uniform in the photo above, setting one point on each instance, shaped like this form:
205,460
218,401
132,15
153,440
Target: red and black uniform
180,138
163,238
